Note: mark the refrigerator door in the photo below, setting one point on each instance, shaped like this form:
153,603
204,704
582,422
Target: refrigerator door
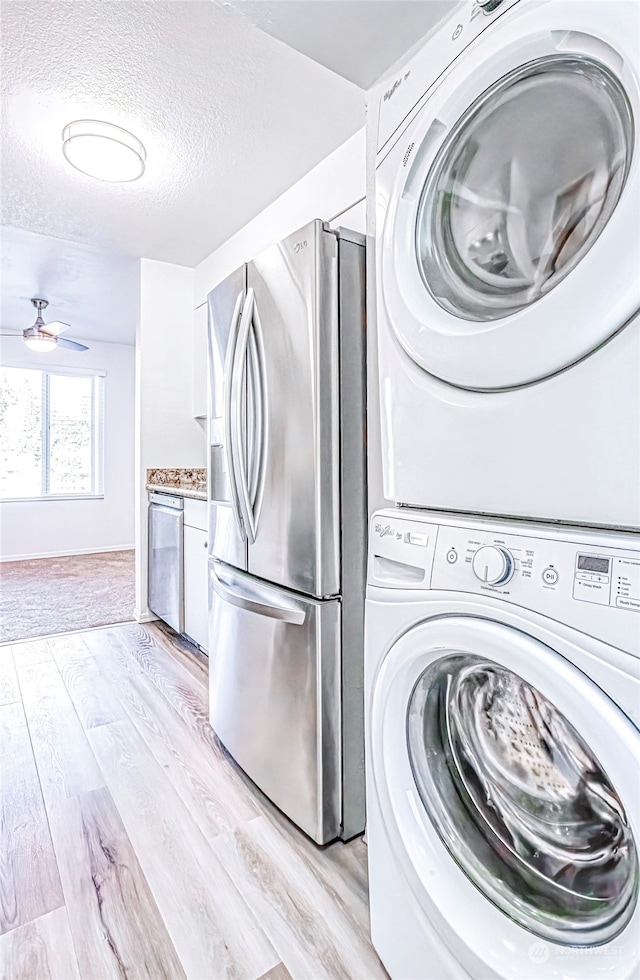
275,694
227,537
292,480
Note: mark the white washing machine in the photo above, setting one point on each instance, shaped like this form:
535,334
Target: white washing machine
507,188
502,679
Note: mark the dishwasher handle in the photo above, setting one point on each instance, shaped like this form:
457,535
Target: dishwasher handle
169,500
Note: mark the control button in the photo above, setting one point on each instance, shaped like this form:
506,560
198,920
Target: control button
592,577
625,603
489,5
413,537
493,565
452,556
550,576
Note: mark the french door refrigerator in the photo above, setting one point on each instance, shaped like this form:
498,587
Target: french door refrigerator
287,525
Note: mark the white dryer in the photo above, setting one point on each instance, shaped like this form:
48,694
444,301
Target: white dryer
502,680
507,183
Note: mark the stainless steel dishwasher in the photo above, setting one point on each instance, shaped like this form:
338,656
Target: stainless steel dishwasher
166,564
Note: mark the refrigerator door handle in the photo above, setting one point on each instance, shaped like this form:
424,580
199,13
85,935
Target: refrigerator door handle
257,362
238,444
228,409
261,606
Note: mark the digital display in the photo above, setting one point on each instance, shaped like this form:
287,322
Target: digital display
591,563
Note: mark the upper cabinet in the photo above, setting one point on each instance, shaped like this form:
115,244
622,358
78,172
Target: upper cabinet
200,373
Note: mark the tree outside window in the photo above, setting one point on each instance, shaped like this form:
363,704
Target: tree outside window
51,433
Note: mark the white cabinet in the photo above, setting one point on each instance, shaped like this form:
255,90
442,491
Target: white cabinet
195,572
200,372
195,513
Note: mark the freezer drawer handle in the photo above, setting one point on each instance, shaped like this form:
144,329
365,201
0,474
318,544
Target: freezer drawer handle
288,614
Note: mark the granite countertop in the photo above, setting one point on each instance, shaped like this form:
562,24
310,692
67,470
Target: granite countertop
181,482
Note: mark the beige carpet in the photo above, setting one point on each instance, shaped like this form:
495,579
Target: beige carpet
55,595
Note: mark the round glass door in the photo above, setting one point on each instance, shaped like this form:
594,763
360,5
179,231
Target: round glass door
523,186
521,802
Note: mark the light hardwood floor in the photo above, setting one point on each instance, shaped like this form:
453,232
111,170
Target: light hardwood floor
131,844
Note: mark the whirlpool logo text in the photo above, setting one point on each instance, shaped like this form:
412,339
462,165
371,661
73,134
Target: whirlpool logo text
384,530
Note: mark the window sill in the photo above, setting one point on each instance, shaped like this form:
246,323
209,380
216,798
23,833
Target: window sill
51,496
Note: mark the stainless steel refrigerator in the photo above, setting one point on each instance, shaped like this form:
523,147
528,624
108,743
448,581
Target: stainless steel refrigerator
287,525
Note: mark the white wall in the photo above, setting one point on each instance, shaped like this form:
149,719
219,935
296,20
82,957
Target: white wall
167,435
39,528
334,186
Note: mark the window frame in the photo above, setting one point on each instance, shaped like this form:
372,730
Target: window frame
97,430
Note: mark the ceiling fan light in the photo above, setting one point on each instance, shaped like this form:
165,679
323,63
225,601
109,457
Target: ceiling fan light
41,345
104,151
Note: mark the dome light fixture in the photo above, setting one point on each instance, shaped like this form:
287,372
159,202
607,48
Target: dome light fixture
39,343
104,151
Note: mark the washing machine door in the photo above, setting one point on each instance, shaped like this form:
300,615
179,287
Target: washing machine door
510,247
508,784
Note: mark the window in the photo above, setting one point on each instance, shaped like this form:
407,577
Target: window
51,433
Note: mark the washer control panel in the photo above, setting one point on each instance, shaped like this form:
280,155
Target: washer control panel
538,568
491,561
607,579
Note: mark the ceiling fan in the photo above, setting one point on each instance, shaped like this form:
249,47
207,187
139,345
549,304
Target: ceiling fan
43,337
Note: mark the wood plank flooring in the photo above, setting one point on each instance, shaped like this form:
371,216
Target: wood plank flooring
131,844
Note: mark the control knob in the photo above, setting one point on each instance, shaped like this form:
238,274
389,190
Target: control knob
489,5
493,565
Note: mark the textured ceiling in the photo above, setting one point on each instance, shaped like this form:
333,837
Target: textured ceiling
358,39
95,291
230,118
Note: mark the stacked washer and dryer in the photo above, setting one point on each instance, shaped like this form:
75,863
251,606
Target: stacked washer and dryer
502,662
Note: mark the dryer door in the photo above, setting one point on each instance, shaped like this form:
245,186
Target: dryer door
510,246
509,787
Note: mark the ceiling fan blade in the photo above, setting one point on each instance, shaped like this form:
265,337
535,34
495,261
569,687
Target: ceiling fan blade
70,344
3,334
56,327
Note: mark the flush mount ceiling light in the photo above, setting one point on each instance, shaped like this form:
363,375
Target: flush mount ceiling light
102,150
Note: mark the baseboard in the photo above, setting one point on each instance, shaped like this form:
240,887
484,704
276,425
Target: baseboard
144,616
69,554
